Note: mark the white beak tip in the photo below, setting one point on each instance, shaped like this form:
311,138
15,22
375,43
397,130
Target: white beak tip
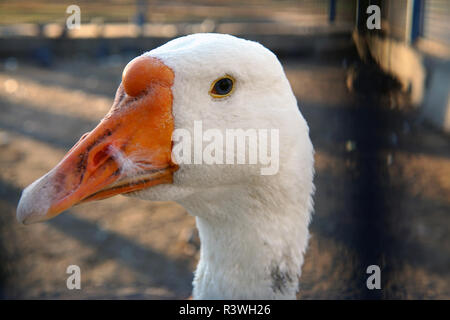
33,204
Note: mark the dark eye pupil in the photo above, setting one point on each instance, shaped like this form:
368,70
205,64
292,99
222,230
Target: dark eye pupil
223,86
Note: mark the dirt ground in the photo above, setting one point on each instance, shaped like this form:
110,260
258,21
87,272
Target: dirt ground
382,179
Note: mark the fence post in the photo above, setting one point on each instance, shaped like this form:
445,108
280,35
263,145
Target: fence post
332,12
416,27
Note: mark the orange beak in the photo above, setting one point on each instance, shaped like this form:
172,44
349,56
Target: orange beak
129,150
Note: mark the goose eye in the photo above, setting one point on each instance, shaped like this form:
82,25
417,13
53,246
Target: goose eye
222,87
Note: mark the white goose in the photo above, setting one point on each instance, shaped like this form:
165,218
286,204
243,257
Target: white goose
253,228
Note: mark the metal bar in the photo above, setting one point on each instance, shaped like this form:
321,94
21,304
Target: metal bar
332,11
417,17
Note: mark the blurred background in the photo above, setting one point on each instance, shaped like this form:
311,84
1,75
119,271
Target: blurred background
377,103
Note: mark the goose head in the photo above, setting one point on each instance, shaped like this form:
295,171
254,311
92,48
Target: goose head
172,103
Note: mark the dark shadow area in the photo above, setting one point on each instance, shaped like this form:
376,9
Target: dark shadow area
390,127
58,130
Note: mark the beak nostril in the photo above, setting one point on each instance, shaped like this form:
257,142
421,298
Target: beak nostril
101,156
